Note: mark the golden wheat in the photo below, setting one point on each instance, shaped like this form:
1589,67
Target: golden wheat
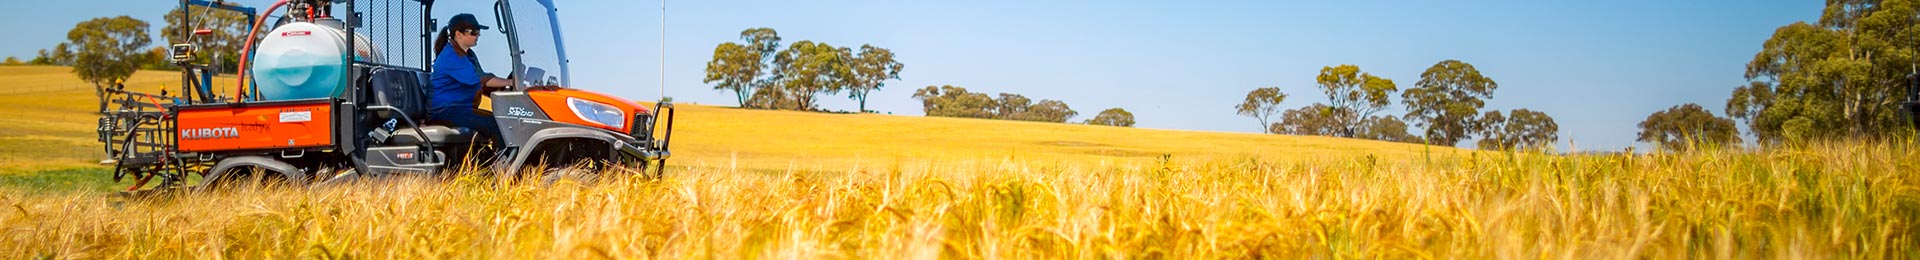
771,184
1844,200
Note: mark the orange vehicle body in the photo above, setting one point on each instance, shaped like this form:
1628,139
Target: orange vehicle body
275,126
555,103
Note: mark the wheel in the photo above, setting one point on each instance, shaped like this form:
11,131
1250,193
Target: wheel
253,171
583,173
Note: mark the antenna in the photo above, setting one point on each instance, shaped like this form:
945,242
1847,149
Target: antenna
663,50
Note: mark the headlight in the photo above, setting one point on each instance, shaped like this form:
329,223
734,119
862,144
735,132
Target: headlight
598,113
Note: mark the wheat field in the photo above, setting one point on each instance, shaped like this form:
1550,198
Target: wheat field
766,184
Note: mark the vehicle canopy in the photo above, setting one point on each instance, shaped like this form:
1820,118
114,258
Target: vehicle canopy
532,42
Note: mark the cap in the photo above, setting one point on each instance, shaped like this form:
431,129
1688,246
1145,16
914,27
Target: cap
466,19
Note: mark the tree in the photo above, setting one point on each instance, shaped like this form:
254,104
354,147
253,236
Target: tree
951,101
1317,119
1262,103
1682,126
109,51
739,67
871,69
157,58
41,58
1012,107
1525,129
1748,104
1837,78
1447,101
1112,117
1358,93
12,61
736,68
1385,128
61,55
1048,110
221,47
807,68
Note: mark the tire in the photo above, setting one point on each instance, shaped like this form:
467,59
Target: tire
257,171
582,173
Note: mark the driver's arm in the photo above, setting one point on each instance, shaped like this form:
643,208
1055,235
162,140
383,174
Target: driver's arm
489,83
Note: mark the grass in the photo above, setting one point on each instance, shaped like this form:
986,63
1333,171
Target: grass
766,184
48,122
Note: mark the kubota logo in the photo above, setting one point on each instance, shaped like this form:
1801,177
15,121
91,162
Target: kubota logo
210,133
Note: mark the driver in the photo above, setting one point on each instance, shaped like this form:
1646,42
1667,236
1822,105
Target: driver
458,81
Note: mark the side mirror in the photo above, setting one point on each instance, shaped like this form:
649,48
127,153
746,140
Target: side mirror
533,76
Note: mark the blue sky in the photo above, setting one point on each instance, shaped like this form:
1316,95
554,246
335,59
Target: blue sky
1597,67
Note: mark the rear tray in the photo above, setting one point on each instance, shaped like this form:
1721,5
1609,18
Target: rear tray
256,125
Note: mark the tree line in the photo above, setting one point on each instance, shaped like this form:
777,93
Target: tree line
952,101
762,75
1446,105
1838,78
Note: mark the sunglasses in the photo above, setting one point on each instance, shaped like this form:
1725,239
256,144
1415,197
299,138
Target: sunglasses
474,32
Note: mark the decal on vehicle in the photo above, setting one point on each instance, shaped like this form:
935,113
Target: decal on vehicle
210,133
519,112
293,117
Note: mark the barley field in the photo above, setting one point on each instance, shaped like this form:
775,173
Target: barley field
750,184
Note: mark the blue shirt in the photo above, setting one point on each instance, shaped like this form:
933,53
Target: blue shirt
456,81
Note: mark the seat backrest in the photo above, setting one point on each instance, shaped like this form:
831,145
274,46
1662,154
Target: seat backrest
400,88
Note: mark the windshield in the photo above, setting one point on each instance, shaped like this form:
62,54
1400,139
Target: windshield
542,52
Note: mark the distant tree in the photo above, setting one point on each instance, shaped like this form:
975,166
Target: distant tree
157,58
1524,129
1386,128
736,68
951,101
1447,101
1837,78
220,47
807,68
1261,104
871,69
63,55
1012,107
1317,119
1358,93
1112,117
60,55
764,40
740,68
1048,110
41,58
12,61
110,49
1682,126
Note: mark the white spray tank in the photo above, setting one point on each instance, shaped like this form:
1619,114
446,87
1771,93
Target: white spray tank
303,60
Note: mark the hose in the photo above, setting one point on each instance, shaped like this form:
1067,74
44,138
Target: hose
246,51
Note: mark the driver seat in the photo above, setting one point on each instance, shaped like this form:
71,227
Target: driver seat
405,89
